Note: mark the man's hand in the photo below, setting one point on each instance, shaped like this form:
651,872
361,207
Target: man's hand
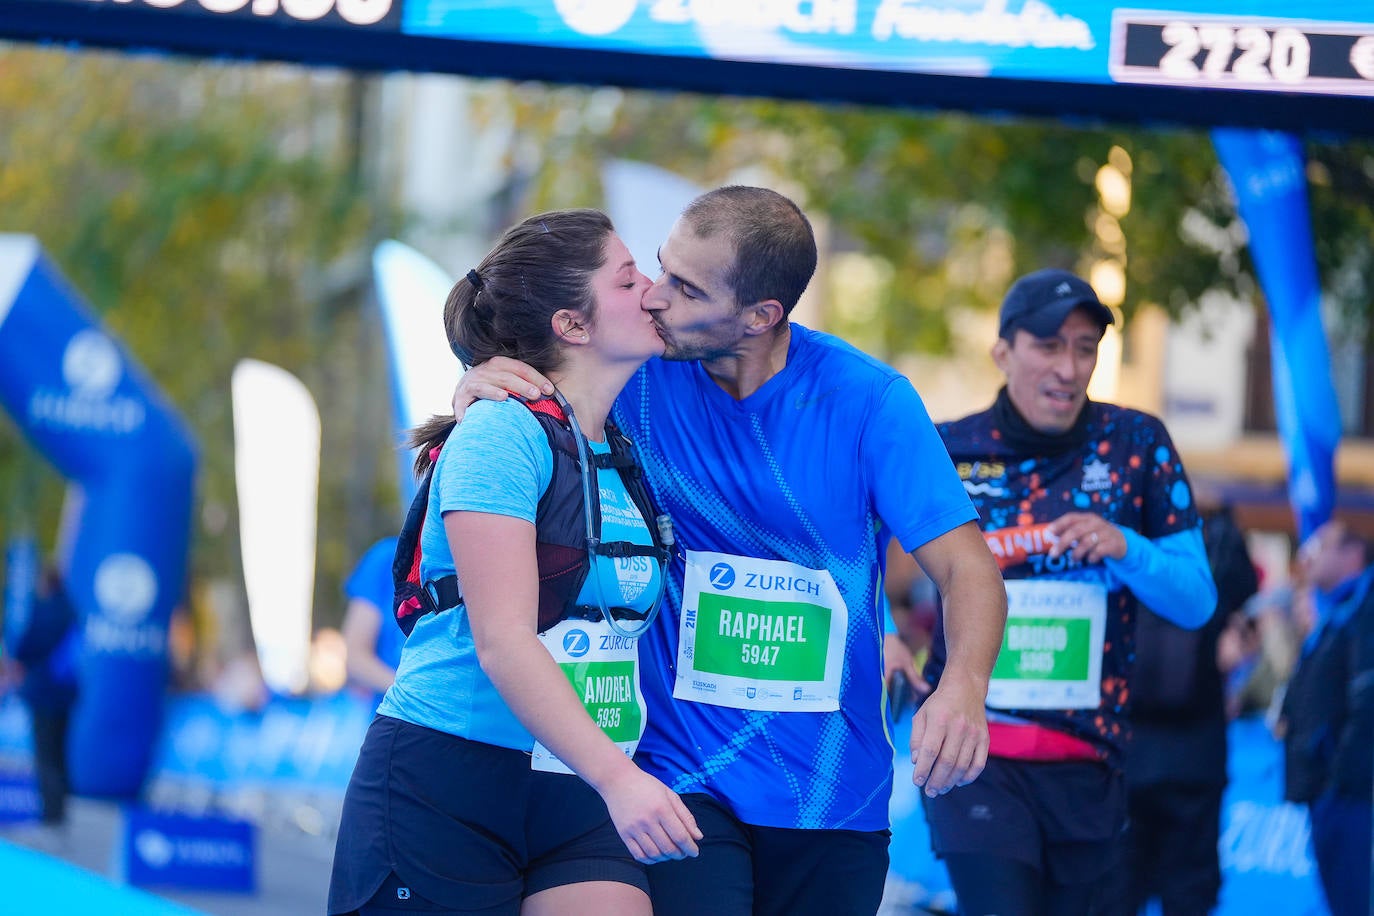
494,380
949,735
1088,538
651,819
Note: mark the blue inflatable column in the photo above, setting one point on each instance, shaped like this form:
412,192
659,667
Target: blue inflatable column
1268,172
92,412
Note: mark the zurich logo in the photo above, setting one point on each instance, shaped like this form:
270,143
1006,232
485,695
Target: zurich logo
91,365
154,848
595,17
125,587
722,576
576,643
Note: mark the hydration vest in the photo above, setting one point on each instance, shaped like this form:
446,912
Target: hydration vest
562,547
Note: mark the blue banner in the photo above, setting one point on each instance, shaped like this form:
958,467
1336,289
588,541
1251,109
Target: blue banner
1319,47
172,850
291,742
1074,40
411,292
1266,857
88,408
1268,172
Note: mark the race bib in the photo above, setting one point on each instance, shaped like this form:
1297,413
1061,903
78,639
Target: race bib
760,634
1051,655
603,669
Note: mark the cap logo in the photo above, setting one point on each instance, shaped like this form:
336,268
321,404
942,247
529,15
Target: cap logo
1063,289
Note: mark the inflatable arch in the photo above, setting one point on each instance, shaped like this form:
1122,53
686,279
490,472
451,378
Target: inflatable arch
89,410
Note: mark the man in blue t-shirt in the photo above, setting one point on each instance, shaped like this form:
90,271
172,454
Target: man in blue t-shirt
371,636
787,461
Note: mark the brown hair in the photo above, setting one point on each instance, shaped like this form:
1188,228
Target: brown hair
505,306
775,247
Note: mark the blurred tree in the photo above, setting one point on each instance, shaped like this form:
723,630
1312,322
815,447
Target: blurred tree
208,213
958,205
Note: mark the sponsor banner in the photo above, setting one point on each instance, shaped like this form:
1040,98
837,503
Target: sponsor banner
1327,47
1269,175
376,15
1324,47
290,742
1266,855
203,853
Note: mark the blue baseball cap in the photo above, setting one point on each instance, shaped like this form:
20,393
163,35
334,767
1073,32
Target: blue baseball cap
1039,302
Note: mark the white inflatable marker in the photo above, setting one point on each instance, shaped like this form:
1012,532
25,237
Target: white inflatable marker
276,468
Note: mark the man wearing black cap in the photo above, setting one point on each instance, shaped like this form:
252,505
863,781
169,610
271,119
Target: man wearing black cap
1088,511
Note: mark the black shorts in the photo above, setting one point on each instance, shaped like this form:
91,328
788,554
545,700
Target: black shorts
746,870
1063,819
436,823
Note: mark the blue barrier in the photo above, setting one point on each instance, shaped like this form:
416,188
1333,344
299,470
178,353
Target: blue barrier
291,742
1266,861
1266,864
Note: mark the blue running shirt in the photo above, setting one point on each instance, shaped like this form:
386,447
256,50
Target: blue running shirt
820,467
497,460
371,581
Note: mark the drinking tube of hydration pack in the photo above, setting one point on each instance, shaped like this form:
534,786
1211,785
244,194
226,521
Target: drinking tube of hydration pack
589,492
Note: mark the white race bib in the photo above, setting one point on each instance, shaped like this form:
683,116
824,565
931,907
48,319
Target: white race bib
604,671
1051,655
760,634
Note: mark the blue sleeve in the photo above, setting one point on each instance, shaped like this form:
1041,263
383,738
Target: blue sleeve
1169,575
496,461
916,491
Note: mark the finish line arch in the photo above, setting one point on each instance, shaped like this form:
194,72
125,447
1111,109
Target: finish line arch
89,410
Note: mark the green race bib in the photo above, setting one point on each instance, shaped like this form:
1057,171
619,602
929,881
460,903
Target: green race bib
603,669
1051,655
760,634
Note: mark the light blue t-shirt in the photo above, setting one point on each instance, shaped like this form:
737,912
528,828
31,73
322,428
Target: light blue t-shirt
820,467
498,461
